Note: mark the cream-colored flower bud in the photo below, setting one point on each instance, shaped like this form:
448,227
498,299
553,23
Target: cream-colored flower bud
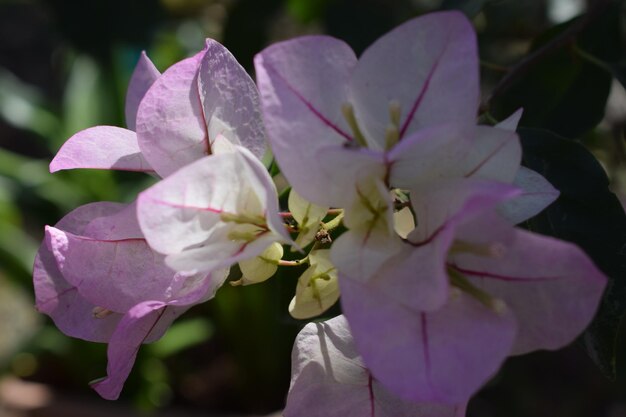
262,267
317,289
308,216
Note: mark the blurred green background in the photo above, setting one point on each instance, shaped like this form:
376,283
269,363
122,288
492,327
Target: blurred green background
64,66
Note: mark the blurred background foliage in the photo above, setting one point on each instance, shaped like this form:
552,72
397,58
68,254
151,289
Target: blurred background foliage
64,66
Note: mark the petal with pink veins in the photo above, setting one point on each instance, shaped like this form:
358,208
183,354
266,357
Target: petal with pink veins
55,296
429,66
443,356
496,155
429,154
186,216
303,85
329,379
551,286
113,274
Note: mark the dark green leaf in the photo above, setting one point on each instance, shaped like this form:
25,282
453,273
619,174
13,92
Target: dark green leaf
559,88
589,214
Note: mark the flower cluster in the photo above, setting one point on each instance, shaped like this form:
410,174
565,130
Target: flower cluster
437,284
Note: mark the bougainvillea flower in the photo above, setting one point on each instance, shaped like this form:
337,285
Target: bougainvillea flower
499,291
177,117
93,270
214,212
345,132
329,379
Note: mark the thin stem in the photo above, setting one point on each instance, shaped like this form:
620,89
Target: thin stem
298,262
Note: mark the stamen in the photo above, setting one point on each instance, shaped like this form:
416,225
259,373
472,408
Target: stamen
100,312
394,113
348,113
490,250
392,135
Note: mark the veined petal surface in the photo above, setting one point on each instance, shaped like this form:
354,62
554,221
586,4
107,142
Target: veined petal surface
329,379
303,85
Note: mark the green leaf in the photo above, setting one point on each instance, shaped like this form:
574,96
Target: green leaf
589,214
561,90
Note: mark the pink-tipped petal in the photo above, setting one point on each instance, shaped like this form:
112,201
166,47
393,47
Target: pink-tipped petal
171,130
444,356
537,194
230,100
329,379
551,286
303,84
144,75
429,66
101,147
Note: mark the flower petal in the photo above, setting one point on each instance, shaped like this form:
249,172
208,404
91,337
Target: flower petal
330,380
444,356
429,66
101,147
303,85
495,154
113,274
147,322
416,277
537,194
138,324
56,297
171,130
511,122
430,154
230,100
181,216
551,286
442,203
144,75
